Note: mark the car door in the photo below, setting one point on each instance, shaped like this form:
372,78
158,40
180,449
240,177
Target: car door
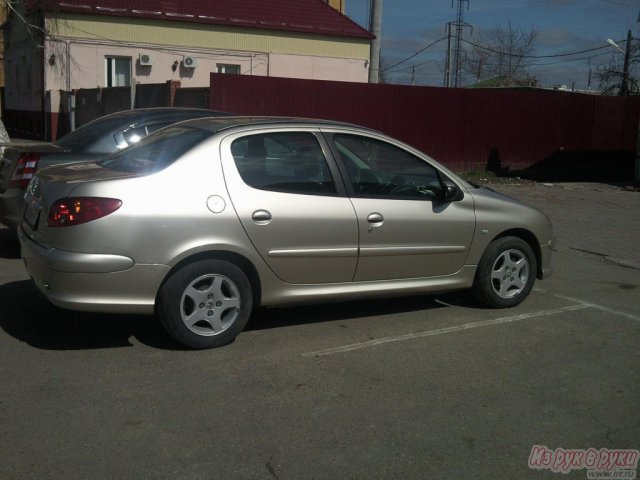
406,228
297,217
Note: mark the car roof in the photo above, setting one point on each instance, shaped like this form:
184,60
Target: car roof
150,113
217,124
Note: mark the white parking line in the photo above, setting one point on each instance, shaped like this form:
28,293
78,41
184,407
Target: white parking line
442,331
579,305
615,312
593,305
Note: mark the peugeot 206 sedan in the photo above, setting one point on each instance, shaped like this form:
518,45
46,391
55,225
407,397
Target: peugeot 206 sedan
207,219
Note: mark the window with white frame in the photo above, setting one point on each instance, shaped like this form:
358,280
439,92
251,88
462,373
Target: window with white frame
117,71
228,68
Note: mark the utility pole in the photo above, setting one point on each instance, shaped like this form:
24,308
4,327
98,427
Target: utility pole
457,48
447,67
413,75
624,86
375,27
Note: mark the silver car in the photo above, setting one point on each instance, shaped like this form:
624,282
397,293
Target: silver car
208,219
92,141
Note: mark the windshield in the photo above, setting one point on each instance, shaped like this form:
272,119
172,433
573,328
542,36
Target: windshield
157,151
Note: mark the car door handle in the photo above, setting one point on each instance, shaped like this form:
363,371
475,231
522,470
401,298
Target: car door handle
261,216
375,217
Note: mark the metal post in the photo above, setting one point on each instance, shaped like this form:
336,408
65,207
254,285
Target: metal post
624,86
447,68
636,166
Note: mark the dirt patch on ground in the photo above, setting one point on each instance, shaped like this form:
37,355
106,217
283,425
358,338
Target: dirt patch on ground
489,178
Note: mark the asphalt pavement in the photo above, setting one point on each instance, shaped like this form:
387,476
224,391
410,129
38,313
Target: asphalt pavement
416,387
597,218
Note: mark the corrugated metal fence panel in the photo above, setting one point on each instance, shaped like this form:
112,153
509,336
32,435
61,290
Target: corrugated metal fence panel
153,95
462,128
88,105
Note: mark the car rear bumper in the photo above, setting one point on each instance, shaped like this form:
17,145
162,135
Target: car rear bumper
92,282
11,206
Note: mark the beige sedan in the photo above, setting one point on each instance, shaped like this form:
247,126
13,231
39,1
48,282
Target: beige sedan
207,219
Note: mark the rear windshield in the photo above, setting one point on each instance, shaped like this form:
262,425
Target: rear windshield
157,151
96,136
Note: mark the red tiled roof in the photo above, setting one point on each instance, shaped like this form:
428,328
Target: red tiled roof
308,16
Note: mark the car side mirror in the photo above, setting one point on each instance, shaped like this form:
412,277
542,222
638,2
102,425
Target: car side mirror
451,192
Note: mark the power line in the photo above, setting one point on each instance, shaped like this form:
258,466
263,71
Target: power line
568,60
508,54
529,65
414,54
415,65
489,49
555,63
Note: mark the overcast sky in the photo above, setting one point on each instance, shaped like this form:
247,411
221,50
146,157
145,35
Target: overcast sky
563,26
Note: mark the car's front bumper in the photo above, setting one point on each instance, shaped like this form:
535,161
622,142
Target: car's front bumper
92,282
545,268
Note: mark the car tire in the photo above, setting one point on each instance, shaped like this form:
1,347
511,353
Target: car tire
506,273
205,304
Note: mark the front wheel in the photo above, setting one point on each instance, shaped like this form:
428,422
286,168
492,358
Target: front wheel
205,304
506,273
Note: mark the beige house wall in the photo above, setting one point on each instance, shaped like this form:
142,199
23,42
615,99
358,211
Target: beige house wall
339,5
161,32
77,46
87,63
319,68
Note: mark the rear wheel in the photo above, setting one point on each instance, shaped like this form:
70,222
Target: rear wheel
506,273
205,304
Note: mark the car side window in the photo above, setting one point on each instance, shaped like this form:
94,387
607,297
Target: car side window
290,162
379,169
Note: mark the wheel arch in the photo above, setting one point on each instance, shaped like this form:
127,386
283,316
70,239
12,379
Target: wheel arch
531,240
239,260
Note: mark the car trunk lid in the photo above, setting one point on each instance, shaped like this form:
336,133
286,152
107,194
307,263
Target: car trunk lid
12,156
55,183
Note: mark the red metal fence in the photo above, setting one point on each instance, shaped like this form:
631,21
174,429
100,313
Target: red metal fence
465,129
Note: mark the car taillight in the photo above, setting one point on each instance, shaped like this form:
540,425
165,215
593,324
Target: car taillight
67,212
25,169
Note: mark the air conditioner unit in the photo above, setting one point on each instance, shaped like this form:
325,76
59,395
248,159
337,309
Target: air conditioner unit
145,59
190,62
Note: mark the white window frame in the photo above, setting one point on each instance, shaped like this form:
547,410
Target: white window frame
222,68
112,82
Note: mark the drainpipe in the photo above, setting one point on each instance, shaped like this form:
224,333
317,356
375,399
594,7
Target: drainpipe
67,64
71,98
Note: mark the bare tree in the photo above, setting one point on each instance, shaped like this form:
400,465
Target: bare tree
610,75
501,54
477,60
